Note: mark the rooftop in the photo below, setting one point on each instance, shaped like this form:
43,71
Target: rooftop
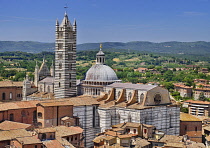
188,117
10,125
132,86
28,140
11,84
11,134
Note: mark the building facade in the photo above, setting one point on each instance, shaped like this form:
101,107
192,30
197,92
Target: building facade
98,76
65,59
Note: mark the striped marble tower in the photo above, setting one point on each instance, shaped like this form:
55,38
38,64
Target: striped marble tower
65,59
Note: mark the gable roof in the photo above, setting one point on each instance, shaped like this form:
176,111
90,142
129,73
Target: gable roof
11,84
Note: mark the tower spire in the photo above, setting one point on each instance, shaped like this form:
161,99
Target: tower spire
100,56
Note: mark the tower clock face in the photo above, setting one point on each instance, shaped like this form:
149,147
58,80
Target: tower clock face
157,99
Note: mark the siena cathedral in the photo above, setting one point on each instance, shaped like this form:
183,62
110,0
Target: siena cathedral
117,102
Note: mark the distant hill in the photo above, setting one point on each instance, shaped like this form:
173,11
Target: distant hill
199,47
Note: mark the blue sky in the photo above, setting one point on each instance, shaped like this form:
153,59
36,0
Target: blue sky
107,20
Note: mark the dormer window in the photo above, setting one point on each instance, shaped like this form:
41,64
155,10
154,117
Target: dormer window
157,99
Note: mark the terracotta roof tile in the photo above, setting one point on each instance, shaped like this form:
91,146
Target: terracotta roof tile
171,139
28,140
11,134
17,105
188,117
99,139
11,84
10,125
127,135
53,143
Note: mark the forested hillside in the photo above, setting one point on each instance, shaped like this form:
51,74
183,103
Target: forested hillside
198,48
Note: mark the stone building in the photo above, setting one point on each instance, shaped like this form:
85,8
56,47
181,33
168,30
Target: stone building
65,57
98,76
10,91
198,108
185,91
191,126
147,104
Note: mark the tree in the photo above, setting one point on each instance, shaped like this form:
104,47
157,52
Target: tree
201,97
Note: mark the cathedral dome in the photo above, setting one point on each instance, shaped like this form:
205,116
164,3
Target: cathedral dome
100,72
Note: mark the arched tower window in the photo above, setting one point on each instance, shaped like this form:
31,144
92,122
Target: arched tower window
60,65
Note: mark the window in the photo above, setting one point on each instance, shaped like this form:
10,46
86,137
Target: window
69,76
23,113
44,136
60,35
59,84
70,57
129,96
145,131
141,98
134,131
129,118
39,115
3,96
185,128
60,65
10,95
60,46
35,146
48,89
70,66
11,117
157,99
196,129
119,93
75,138
59,75
127,130
60,56
69,84
70,47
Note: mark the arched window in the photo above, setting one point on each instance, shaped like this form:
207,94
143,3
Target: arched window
129,96
141,98
60,65
157,99
119,93
129,118
11,117
3,96
39,115
48,89
10,95
70,66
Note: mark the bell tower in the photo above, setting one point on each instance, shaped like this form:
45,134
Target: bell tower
65,58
